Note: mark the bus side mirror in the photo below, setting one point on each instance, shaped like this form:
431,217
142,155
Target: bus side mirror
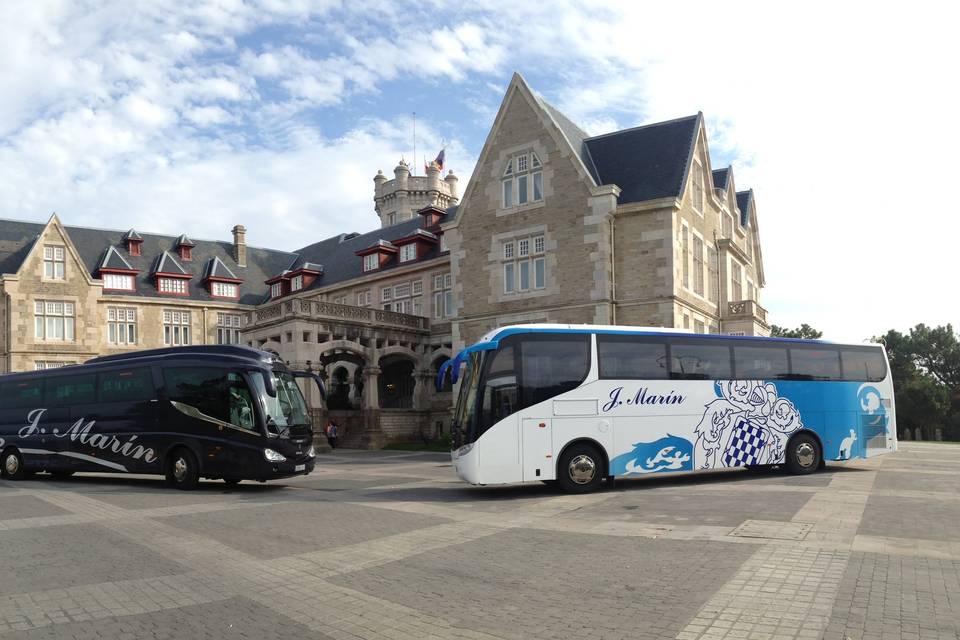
270,385
315,377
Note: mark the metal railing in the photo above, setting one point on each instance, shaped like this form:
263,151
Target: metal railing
746,308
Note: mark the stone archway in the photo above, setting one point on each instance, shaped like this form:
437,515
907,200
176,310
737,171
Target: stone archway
396,382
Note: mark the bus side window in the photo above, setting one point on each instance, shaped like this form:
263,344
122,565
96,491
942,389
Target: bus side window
19,394
625,357
865,365
760,362
125,385
199,387
241,402
700,360
552,365
814,364
68,390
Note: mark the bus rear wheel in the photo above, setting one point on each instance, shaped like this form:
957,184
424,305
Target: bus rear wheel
183,472
803,454
11,465
580,469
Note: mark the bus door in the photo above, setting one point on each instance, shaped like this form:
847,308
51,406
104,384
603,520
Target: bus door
26,422
117,430
212,409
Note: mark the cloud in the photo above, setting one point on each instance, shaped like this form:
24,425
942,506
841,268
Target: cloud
191,117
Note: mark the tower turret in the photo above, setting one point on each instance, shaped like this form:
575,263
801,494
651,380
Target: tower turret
399,199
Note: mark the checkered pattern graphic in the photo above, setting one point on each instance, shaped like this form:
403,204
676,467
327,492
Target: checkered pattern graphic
746,444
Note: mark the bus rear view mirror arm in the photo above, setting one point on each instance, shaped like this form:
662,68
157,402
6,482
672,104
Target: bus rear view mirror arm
315,377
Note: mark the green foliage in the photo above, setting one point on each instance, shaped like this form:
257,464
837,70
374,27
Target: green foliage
805,331
925,364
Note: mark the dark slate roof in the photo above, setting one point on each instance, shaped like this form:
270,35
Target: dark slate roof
648,162
17,237
216,269
743,203
113,260
166,263
720,177
338,254
573,133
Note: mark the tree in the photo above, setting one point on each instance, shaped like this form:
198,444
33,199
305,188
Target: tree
805,331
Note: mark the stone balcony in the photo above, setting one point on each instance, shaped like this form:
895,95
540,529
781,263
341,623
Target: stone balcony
745,310
301,308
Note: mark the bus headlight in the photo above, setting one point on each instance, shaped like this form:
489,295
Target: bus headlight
273,456
311,452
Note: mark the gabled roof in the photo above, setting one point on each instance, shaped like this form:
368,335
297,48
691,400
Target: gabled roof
574,134
113,260
132,235
648,162
720,177
166,263
215,268
184,241
743,203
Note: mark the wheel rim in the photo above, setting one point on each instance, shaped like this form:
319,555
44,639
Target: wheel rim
806,455
180,469
582,469
11,464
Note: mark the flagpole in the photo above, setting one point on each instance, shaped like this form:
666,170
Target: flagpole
413,169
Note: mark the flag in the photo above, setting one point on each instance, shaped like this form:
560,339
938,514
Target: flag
438,161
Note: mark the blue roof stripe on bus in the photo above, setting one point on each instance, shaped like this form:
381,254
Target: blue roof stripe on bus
509,331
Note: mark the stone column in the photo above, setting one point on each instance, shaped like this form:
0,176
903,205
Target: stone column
422,378
371,387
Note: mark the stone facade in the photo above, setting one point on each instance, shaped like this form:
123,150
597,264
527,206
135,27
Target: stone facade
548,231
604,260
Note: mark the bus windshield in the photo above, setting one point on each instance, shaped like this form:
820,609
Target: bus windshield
288,408
467,402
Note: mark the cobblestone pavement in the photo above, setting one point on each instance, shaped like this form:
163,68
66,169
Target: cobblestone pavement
392,545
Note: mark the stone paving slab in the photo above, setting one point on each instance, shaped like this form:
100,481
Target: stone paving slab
73,555
536,584
297,527
391,545
14,507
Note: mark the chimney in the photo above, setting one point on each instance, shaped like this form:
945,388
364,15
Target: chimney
240,245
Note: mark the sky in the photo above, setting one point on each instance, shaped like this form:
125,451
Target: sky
192,117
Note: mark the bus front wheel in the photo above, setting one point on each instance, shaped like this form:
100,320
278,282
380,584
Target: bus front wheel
580,469
183,472
803,454
12,465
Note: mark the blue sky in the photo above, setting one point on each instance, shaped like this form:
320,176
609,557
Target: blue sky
277,114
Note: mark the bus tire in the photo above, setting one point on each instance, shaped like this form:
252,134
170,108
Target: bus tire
183,471
580,469
11,465
803,454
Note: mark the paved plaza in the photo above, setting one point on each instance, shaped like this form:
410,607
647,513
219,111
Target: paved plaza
392,545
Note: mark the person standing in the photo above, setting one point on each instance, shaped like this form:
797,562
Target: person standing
333,431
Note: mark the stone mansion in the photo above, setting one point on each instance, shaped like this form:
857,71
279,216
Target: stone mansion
631,227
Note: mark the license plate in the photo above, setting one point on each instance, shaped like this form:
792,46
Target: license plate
300,467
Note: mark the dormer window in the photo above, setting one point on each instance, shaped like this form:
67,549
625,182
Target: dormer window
296,283
185,247
371,262
224,290
133,242
408,252
118,282
116,272
276,290
172,286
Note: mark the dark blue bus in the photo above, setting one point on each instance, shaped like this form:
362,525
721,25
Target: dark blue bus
219,412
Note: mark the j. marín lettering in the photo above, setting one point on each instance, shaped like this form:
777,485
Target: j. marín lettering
641,397
83,432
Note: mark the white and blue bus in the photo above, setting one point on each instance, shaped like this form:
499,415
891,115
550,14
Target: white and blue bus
581,404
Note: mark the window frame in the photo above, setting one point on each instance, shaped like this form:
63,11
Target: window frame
53,262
